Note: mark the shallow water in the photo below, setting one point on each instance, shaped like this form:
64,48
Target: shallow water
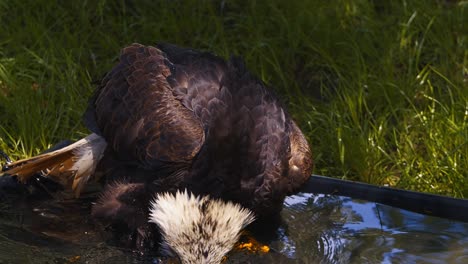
314,229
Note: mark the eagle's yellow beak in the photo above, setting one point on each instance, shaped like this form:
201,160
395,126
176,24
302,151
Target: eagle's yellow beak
250,244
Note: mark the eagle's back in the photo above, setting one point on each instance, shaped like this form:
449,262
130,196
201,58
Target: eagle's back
212,125
151,110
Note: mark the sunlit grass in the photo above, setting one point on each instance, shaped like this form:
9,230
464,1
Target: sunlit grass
379,87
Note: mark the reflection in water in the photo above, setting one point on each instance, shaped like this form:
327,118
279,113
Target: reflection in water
314,229
353,231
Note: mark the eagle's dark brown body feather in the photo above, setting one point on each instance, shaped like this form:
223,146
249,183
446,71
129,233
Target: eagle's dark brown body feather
184,118
171,118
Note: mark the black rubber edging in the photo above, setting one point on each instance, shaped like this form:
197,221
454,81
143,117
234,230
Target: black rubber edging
423,203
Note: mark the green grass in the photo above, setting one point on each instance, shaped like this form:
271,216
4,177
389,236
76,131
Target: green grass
379,87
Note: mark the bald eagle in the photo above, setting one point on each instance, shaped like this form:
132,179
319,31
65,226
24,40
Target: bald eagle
167,118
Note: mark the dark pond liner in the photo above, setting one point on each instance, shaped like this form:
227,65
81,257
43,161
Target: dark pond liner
428,204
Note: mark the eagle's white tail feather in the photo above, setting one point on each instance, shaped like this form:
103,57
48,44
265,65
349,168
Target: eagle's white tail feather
86,157
71,166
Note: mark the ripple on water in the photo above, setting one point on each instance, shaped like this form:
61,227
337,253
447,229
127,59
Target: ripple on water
314,229
331,229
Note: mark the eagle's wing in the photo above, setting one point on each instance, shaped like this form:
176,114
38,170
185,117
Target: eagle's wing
300,162
151,106
246,155
196,79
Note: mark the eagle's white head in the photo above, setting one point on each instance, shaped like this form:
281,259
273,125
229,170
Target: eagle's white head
198,229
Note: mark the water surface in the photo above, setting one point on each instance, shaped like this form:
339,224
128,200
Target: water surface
314,229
